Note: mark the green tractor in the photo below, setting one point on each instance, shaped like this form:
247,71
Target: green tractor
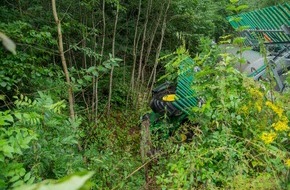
172,103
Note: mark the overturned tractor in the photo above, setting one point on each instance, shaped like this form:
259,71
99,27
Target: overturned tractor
173,102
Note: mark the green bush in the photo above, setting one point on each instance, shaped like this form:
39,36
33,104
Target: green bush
39,142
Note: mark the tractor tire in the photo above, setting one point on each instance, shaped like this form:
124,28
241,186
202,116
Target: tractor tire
158,105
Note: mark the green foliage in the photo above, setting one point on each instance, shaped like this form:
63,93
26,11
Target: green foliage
172,65
73,182
39,141
113,152
25,71
243,135
110,151
193,20
14,141
8,43
52,154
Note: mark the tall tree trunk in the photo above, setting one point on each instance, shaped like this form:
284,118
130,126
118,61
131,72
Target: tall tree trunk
135,46
20,8
104,28
63,61
148,52
96,79
113,56
84,42
143,40
153,74
94,63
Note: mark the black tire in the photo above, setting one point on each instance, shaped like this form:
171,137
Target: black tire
158,105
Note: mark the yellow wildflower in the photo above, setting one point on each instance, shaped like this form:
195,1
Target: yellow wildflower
276,109
268,103
244,109
258,106
287,162
256,93
284,119
280,126
268,137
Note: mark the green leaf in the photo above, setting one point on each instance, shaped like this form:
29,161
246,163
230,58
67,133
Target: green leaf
118,59
18,183
80,81
95,73
239,40
5,117
27,176
1,158
235,19
2,97
88,78
8,118
234,1
3,84
22,172
107,65
102,68
8,150
18,115
242,7
30,181
91,69
8,43
242,28
72,182
231,7
15,178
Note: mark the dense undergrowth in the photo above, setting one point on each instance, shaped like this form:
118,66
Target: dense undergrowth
237,139
240,133
39,142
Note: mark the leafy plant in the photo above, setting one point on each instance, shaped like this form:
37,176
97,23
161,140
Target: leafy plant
15,140
52,154
8,43
73,182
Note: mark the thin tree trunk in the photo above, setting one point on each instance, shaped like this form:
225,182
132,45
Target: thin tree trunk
63,61
135,46
113,56
96,81
153,74
104,28
84,44
94,63
20,8
143,40
148,52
